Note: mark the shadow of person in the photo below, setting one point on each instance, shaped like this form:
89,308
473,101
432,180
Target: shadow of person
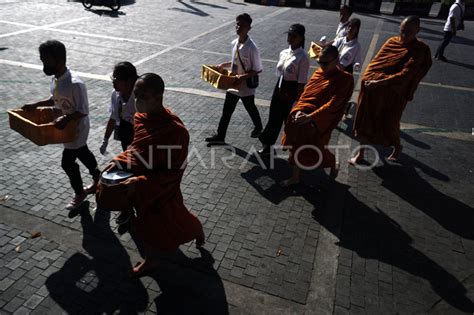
109,13
190,286
461,64
408,138
372,234
450,213
100,283
187,285
268,173
189,9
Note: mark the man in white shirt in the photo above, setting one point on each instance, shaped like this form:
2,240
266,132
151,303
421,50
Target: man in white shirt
453,22
122,105
345,13
245,64
69,94
349,47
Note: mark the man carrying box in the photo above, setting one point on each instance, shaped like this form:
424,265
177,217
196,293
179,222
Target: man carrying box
245,64
69,94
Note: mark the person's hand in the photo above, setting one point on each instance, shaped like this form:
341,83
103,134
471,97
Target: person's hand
301,118
130,184
103,147
61,122
371,84
29,107
239,79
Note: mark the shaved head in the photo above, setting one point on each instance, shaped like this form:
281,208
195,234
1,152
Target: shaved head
409,27
330,52
412,19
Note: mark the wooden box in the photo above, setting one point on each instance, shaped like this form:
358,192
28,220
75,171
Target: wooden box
314,50
37,125
218,79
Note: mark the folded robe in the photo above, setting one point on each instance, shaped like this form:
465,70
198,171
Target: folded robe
380,109
324,99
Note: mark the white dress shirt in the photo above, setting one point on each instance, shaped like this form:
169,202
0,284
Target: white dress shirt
349,51
250,56
454,11
293,65
128,109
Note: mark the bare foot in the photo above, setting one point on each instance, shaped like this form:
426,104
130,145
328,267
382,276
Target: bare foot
290,181
395,153
141,268
356,159
334,171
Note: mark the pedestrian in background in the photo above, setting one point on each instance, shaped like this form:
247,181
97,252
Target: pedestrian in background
454,22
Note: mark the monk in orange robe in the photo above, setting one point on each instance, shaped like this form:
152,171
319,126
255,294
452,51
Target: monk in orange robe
318,111
389,82
157,157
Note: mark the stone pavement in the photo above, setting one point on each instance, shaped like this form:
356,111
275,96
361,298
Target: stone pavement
394,239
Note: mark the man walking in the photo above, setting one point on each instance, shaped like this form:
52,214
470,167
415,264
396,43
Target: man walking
245,64
454,22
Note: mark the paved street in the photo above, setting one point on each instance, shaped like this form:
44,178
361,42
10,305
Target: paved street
395,239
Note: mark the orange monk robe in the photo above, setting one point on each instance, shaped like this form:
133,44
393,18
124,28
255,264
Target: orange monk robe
380,109
162,220
324,99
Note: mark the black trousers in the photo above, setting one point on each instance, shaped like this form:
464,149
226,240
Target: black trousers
125,133
230,103
69,165
280,107
446,40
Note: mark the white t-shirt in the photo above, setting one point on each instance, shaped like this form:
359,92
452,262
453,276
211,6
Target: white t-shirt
349,51
341,31
293,65
128,109
250,56
70,95
454,11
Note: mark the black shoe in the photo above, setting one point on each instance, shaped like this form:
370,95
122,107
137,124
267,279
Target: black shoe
256,132
215,139
265,150
122,218
443,58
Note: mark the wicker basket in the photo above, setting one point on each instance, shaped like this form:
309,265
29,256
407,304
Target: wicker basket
314,50
37,125
218,79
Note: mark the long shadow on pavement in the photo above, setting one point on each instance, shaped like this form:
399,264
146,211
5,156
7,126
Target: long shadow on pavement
372,234
266,175
450,213
189,286
99,284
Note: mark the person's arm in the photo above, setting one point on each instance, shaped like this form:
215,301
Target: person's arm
108,132
31,106
302,78
452,20
62,121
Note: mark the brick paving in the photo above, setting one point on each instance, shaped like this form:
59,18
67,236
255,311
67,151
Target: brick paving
399,224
